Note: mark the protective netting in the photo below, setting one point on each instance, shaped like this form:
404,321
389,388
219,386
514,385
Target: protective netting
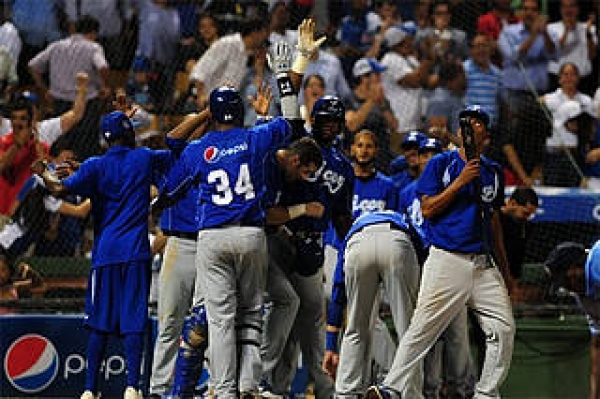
150,48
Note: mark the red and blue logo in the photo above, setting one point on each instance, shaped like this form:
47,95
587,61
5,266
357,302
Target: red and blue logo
211,154
31,363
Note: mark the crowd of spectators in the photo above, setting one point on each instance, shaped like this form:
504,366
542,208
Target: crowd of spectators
398,65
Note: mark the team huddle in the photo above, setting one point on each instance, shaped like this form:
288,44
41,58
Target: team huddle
259,218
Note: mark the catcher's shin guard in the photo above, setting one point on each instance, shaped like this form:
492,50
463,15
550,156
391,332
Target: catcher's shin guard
190,357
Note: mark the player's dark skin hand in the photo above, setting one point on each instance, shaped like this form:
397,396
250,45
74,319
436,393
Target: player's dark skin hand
470,172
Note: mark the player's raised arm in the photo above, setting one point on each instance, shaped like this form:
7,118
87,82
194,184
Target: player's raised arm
289,76
190,125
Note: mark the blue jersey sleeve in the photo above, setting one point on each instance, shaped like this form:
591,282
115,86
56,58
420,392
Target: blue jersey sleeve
29,184
592,272
430,183
176,145
337,304
272,134
85,180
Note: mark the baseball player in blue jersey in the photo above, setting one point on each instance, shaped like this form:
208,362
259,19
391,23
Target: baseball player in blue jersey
297,257
178,273
227,167
405,168
460,199
450,356
118,185
378,249
373,191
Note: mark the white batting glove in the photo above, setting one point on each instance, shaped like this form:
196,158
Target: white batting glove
307,45
280,58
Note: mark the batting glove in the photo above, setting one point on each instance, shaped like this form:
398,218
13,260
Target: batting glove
280,58
307,45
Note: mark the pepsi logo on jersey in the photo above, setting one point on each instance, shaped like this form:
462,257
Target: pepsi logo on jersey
31,363
212,154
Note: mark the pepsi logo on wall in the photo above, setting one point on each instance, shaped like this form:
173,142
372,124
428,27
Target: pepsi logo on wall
31,363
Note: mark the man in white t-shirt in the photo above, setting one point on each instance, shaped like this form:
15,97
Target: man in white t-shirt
405,78
576,41
49,130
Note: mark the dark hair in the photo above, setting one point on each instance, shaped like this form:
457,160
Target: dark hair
316,76
252,25
60,145
538,2
87,24
448,71
524,196
214,20
366,132
308,151
567,64
439,3
20,104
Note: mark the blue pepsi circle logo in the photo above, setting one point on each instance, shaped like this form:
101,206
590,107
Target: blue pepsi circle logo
31,363
211,154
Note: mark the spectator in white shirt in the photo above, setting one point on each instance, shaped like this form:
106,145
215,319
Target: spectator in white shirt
49,130
225,62
565,104
405,78
576,42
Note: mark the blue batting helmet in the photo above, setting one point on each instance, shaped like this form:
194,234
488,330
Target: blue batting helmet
477,112
226,105
116,125
329,106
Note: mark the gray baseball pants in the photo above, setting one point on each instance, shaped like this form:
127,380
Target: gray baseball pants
384,346
450,281
177,280
377,253
450,360
232,264
305,327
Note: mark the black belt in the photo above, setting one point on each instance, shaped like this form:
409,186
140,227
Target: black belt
391,226
181,234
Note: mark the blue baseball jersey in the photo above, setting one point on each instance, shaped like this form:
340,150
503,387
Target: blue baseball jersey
410,205
180,217
332,187
402,180
227,168
118,184
592,272
459,227
371,194
398,165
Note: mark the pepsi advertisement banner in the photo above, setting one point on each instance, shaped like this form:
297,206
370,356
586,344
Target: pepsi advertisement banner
44,356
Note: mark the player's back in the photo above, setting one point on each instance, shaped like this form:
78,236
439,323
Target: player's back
229,166
118,184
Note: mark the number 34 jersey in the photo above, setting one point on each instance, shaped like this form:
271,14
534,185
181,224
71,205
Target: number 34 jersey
227,167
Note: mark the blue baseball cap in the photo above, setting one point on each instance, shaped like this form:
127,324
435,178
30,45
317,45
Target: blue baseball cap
431,145
116,125
31,97
414,138
141,64
367,65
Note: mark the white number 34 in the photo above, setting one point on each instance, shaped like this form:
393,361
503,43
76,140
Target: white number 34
243,185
